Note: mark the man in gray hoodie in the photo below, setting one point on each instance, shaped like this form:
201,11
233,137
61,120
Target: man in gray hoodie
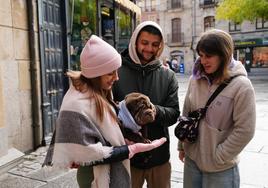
143,72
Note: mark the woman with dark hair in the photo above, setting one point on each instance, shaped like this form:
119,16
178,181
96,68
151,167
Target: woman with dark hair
229,122
87,133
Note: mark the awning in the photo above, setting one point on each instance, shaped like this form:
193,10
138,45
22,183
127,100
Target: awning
130,5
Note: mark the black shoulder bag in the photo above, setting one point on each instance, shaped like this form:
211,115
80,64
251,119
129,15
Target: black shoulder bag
186,129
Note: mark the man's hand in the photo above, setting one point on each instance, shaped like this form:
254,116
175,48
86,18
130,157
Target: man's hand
181,155
129,142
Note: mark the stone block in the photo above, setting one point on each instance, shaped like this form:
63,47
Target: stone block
24,75
26,140
11,95
4,142
6,44
10,160
21,44
5,13
2,106
19,14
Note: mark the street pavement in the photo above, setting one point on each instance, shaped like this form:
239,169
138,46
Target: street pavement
253,159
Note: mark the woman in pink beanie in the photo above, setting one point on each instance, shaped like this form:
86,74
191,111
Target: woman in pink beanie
87,134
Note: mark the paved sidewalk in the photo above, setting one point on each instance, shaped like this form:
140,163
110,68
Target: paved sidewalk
30,174
253,165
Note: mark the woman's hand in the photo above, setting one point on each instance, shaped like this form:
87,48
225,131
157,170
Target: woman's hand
181,155
141,147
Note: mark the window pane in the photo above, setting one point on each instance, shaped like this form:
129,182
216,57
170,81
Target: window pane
107,23
258,23
83,24
124,28
175,3
209,23
260,57
176,30
265,24
231,27
238,27
234,26
153,4
208,2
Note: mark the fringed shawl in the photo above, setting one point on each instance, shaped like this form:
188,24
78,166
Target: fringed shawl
82,139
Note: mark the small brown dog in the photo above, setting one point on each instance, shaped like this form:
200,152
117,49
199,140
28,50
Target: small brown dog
134,113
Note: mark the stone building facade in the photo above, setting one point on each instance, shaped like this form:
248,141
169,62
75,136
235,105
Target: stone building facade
183,22
15,86
36,40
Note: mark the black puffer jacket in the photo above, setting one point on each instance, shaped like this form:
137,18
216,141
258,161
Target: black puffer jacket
161,86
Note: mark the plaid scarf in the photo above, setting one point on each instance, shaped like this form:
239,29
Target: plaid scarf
81,139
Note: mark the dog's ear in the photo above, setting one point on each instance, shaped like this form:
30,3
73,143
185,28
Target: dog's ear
131,103
136,102
133,96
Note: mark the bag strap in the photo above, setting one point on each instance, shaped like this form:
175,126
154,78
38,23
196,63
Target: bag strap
217,91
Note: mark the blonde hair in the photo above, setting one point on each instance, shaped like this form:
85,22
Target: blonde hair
217,42
103,98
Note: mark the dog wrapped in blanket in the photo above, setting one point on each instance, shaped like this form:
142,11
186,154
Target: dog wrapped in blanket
135,111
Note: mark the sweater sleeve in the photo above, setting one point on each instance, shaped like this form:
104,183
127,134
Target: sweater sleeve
119,153
244,117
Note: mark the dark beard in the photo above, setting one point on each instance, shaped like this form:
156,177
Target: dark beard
140,56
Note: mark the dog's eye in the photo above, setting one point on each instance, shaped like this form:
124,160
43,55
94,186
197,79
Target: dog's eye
148,105
139,108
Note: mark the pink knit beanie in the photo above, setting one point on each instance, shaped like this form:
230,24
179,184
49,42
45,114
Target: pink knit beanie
98,58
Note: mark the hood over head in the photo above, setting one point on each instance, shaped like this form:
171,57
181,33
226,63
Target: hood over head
133,39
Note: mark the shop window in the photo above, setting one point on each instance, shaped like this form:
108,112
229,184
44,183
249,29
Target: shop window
233,26
260,57
82,24
261,23
209,23
240,55
176,30
124,26
107,24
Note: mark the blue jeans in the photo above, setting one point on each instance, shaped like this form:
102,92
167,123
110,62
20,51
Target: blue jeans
193,177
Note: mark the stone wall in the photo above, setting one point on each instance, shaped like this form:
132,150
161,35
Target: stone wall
15,88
